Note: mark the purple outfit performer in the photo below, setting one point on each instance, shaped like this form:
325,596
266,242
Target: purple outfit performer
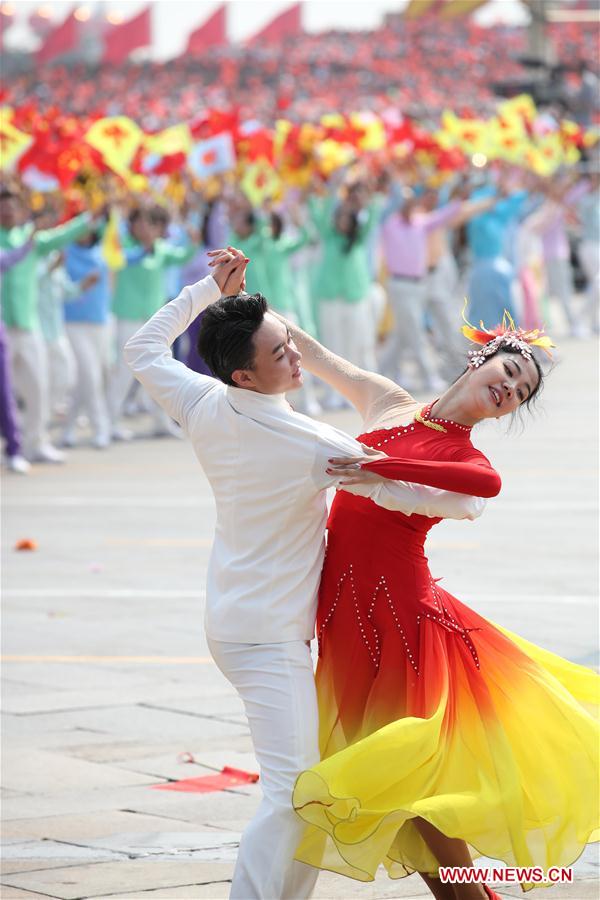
8,407
214,234
9,427
557,253
404,244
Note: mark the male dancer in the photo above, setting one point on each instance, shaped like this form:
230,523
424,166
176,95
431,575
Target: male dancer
267,468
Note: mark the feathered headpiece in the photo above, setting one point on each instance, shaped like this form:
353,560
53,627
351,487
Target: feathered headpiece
505,335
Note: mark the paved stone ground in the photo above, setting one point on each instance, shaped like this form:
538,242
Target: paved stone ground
107,679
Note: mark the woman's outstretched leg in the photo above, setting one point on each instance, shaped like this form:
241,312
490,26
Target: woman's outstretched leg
450,852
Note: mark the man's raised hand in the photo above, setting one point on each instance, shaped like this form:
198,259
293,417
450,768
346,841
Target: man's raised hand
229,270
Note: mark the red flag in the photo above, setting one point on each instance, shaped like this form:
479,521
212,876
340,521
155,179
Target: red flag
212,33
226,778
7,18
121,40
62,39
286,24
40,22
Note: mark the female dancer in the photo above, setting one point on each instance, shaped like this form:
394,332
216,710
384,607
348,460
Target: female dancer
442,735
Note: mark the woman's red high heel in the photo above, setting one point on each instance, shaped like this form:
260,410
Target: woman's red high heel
491,894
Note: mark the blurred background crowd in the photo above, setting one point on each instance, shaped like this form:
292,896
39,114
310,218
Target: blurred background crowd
374,179
420,60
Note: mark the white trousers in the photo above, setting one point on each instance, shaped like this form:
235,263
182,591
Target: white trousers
590,260
443,307
29,368
89,341
122,379
349,330
276,684
408,339
61,371
559,277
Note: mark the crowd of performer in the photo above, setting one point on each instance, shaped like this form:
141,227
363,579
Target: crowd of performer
376,265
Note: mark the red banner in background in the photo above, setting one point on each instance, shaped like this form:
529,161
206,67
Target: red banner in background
286,24
212,33
62,39
121,40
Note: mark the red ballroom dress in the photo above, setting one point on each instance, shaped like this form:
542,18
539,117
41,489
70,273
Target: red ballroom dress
428,709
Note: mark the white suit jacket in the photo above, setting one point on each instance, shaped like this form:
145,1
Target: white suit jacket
266,467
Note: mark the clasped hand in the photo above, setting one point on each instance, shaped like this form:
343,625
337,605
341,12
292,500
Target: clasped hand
229,270
349,467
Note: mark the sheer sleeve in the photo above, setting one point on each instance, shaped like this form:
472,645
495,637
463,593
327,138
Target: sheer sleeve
473,475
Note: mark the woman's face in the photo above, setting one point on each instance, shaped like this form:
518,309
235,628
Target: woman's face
501,384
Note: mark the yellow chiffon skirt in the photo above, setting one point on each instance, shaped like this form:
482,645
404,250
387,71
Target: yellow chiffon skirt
503,754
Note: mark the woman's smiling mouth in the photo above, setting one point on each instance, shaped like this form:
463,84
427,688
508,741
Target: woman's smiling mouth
495,396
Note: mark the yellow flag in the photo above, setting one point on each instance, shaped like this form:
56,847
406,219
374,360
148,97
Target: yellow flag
136,182
570,135
13,143
176,139
374,136
111,243
469,135
333,120
522,105
545,157
117,138
282,129
330,155
456,9
260,182
417,8
571,154
508,138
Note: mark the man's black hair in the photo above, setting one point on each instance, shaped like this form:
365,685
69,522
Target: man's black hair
225,339
159,216
136,213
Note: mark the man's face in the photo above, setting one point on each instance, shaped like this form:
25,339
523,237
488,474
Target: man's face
410,207
276,368
429,201
10,212
144,231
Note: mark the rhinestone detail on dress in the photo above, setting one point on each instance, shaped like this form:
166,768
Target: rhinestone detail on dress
406,429
443,618
447,621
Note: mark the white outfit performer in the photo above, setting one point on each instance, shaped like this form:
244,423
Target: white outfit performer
90,344
266,465
120,384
